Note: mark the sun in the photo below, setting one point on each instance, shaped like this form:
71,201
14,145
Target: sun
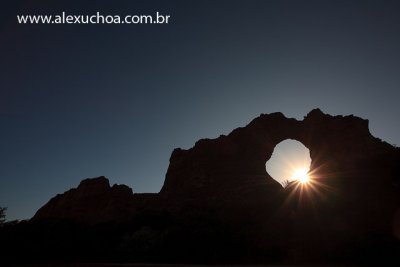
301,175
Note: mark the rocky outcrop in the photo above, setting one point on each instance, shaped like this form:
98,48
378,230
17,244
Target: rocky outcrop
233,167
353,201
93,201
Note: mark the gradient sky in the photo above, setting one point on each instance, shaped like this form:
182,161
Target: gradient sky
80,101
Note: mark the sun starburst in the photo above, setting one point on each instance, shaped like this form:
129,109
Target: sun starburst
301,175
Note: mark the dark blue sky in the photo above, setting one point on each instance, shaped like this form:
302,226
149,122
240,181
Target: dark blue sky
80,101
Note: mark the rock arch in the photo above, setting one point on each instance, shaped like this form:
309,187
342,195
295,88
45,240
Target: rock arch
234,165
223,184
228,173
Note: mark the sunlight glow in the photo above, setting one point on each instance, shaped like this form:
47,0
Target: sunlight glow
288,157
301,175
290,165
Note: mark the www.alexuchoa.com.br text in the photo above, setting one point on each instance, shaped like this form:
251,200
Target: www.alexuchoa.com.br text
97,18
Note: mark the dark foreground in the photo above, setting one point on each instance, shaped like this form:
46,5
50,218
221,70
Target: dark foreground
175,265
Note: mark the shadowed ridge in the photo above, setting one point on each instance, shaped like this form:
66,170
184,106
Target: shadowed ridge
222,183
316,113
93,201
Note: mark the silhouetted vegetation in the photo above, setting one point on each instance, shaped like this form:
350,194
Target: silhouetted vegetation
2,215
285,183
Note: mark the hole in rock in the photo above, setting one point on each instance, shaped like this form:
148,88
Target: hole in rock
290,161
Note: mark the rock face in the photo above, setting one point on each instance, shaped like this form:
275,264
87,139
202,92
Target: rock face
93,201
353,201
233,167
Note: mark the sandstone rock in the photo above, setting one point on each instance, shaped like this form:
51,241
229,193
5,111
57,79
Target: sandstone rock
356,195
93,201
233,167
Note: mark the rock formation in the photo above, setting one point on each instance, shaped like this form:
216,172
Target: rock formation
93,201
233,167
354,198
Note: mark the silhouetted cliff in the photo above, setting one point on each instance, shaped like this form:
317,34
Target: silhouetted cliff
92,201
218,203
